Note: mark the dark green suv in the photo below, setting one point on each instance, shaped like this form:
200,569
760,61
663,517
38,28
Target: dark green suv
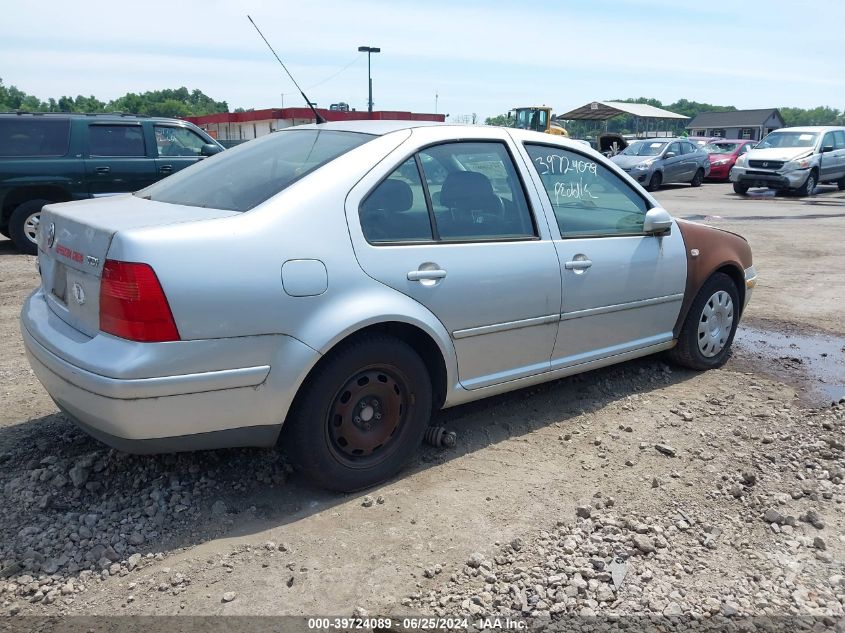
60,157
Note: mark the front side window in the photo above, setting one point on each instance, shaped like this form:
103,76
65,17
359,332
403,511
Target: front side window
588,199
475,192
674,147
116,140
178,141
245,176
29,136
839,137
396,210
828,141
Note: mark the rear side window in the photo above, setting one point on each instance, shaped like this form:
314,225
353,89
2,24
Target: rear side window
475,192
839,136
116,140
245,176
396,210
29,137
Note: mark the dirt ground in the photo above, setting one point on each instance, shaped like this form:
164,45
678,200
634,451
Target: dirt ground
256,540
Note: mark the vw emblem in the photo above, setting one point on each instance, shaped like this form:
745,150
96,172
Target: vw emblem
78,293
51,234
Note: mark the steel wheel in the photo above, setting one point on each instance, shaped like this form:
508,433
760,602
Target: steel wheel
361,413
715,324
366,414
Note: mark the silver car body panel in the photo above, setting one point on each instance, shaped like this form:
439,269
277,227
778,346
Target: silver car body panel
281,285
772,164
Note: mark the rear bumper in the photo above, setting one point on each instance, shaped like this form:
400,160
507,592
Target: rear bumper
126,405
719,172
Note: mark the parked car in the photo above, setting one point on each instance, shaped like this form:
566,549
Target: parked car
330,286
723,155
793,159
48,158
655,161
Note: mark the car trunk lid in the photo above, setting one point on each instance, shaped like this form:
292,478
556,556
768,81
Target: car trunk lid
74,244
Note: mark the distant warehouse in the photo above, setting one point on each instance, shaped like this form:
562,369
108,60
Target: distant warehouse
740,124
233,127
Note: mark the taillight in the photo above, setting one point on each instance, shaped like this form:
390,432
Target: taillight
133,305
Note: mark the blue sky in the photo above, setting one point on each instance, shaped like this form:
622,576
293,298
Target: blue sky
479,57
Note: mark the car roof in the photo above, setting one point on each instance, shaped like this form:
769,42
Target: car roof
366,127
810,128
98,116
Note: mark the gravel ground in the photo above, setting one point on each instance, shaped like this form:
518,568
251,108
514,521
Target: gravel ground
714,495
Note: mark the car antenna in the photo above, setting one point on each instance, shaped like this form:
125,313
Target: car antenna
319,118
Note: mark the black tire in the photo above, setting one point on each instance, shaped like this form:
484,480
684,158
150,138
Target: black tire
20,225
328,436
809,186
688,352
841,183
740,189
4,231
697,179
655,181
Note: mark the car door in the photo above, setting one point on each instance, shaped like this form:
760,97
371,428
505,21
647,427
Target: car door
673,166
829,160
691,162
453,227
621,289
176,148
117,160
833,162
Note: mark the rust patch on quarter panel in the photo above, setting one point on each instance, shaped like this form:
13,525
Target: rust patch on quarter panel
717,249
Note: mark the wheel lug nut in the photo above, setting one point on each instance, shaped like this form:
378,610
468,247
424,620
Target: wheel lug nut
378,416
356,419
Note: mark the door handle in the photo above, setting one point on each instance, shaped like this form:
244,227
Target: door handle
578,264
166,169
426,275
102,170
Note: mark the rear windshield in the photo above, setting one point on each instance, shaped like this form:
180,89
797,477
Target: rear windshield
244,177
28,136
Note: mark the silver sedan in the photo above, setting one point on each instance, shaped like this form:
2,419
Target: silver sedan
328,287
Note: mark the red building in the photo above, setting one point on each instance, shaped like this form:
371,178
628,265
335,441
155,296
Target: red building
242,126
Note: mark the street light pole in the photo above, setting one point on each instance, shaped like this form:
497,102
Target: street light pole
369,50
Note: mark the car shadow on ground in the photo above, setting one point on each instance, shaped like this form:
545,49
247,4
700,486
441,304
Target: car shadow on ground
7,247
187,499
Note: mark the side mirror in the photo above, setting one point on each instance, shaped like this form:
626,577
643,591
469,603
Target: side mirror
827,148
657,221
669,155
210,149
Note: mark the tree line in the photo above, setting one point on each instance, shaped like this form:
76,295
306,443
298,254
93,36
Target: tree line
180,102
626,124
